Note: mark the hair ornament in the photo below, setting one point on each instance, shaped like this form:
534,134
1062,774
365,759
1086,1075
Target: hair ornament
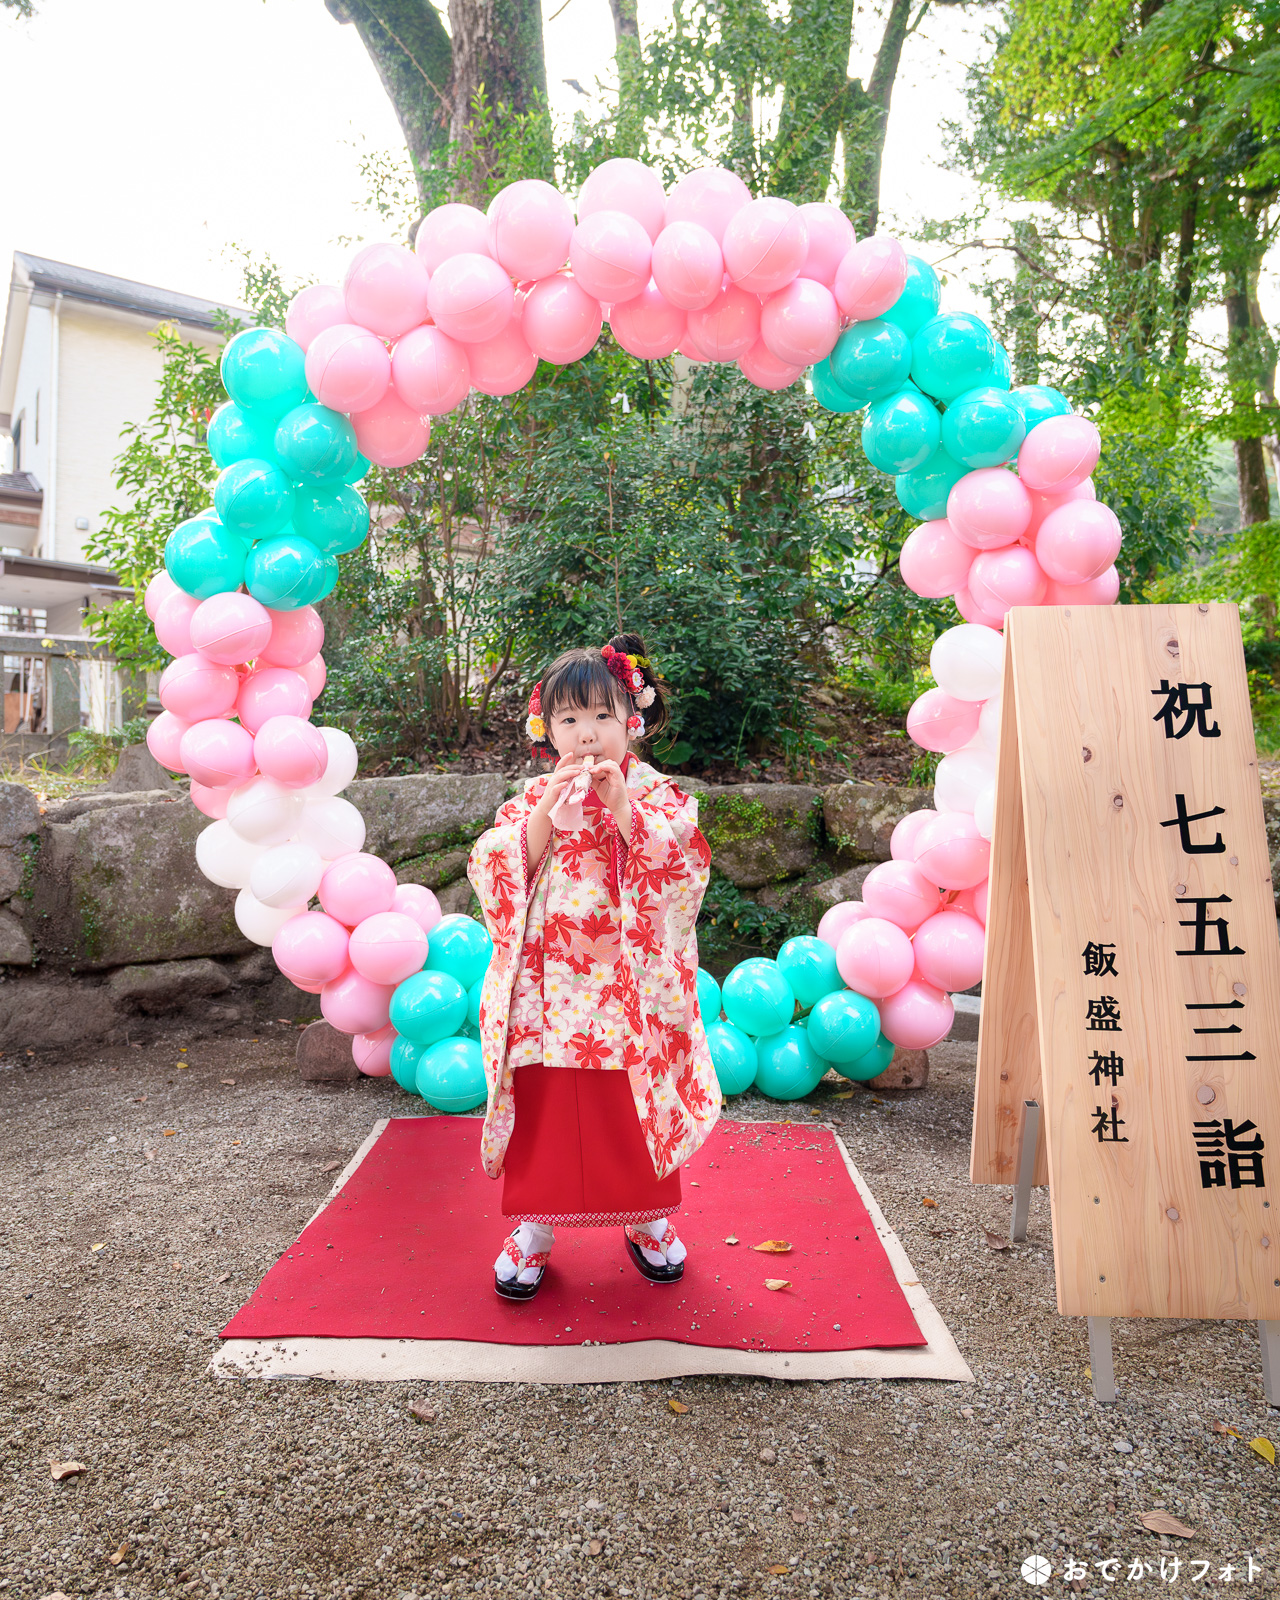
646,697
535,728
626,669
635,724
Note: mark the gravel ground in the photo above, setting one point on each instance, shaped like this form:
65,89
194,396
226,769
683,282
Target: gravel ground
144,1194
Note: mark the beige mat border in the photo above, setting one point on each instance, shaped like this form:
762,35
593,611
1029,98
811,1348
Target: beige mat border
471,1361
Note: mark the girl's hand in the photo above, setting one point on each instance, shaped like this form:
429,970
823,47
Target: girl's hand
610,785
566,770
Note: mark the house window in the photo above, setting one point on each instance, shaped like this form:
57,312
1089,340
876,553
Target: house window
17,445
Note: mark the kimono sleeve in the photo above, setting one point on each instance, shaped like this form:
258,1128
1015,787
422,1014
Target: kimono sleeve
667,868
497,868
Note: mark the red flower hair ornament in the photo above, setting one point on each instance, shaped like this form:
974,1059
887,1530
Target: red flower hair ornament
627,670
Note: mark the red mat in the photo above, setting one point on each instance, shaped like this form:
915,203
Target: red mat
406,1251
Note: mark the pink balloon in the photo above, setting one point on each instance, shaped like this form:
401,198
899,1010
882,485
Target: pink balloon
348,367
386,289
980,903
194,688
999,579
830,241
1103,590
729,326
917,1017
934,560
839,919
371,1052
709,197
623,184
610,254
352,1004
296,636
691,350
357,886
1059,453
290,750
949,951
431,372
648,326
311,948
451,230
938,721
1078,541
530,225
417,901
316,675
172,621
972,612
875,957
989,508
902,841
688,267
313,310
870,277
210,799
801,323
218,754
561,322
164,739
952,853
765,244
160,588
471,297
1043,504
272,692
900,893
503,364
230,628
388,947
390,434
761,367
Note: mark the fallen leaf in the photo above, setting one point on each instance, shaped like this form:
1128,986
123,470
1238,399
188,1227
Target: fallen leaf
847,1095
230,1082
331,1166
1264,1448
595,1547
59,1470
181,1066
169,1131
779,1570
732,1239
996,1241
777,1283
1162,1522
932,1204
1221,1427
117,1556
909,1283
876,1102
774,1247
799,1516
422,1414
96,1247
222,1277
678,1406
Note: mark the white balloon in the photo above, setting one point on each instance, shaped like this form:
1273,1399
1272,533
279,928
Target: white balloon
334,827
341,766
989,724
287,874
224,857
264,811
984,810
260,923
968,661
961,777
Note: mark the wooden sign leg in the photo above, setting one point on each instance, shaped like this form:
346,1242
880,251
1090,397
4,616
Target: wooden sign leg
1100,1362
1269,1337
1027,1150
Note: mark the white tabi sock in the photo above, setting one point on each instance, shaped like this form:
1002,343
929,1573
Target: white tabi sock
670,1256
531,1238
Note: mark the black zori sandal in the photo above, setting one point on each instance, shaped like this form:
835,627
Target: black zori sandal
514,1289
663,1274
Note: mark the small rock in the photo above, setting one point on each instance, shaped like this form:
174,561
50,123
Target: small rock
137,771
768,1456
1123,1446
19,814
909,1069
324,1055
167,984
15,943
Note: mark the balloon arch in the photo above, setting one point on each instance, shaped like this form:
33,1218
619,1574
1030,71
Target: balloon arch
998,476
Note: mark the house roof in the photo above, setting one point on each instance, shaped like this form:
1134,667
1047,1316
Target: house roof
19,487
100,288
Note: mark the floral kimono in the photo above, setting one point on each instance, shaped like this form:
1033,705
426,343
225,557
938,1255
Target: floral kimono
594,973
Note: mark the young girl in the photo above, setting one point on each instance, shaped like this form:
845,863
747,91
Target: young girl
600,1081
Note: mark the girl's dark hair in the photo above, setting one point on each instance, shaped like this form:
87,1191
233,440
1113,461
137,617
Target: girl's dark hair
579,677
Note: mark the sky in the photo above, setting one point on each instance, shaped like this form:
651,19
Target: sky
152,138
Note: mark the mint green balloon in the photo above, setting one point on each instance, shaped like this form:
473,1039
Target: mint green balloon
983,428
923,491
787,1066
843,1027
285,573
204,558
359,470
473,1002
871,359
870,1065
809,966
733,1055
235,434
918,303
264,369
451,1075
327,579
460,946
1037,403
405,1055
827,392
709,1002
315,444
950,354
999,375
336,520
902,431
757,998
253,498
428,1006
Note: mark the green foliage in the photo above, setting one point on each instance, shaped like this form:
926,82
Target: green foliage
729,919
96,754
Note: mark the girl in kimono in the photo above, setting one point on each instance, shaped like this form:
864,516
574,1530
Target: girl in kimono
600,1080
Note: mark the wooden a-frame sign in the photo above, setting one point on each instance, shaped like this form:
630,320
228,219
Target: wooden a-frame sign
1132,979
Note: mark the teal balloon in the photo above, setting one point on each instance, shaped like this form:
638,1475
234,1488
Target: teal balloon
428,1006
473,1003
871,360
203,557
920,298
828,393
950,354
870,1065
359,470
902,431
284,573
999,375
253,498
983,428
263,368
405,1055
787,1065
733,1055
842,1027
315,444
451,1075
1037,403
327,581
235,434
757,998
709,1001
336,520
467,1031
923,491
460,946
809,966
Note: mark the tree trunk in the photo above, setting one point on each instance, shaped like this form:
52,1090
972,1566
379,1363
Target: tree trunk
816,83
866,122
630,64
1243,379
1266,376
499,72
